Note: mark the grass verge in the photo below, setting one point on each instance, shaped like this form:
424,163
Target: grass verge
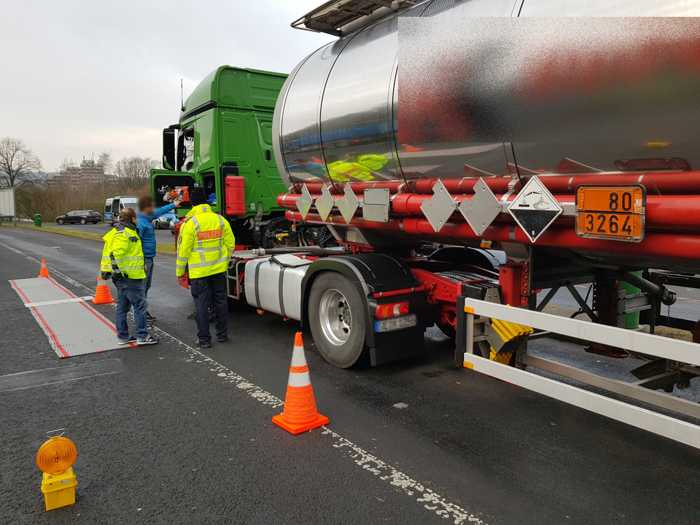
167,248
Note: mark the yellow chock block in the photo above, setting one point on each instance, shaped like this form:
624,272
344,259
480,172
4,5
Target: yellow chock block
508,331
59,489
500,357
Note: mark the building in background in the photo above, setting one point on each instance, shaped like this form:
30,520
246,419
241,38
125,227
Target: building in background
89,172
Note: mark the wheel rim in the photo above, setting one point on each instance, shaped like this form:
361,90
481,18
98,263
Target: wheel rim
335,317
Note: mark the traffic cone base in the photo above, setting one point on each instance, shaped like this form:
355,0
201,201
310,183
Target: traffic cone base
103,295
44,271
300,413
318,421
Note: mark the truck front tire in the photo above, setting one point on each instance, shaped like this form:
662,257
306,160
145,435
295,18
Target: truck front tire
338,319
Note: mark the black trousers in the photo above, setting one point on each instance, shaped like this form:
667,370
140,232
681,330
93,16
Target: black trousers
205,291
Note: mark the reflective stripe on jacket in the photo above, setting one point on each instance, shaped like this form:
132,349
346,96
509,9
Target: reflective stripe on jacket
123,253
205,244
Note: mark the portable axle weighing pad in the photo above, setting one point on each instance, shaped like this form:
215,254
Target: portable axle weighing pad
72,325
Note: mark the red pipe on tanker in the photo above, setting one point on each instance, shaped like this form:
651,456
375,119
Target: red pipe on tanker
660,245
667,212
684,182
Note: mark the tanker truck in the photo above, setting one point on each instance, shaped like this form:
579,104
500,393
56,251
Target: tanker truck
458,163
471,159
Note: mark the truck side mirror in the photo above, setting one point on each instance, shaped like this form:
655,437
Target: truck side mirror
169,135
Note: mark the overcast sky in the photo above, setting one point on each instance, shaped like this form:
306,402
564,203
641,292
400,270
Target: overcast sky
79,77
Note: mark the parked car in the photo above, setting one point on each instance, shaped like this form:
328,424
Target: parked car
79,217
165,222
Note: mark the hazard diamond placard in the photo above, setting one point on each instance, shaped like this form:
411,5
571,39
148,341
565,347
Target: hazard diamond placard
534,209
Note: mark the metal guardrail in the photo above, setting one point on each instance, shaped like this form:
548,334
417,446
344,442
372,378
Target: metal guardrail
637,342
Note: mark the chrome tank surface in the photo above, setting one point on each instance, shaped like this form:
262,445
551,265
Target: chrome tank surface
569,95
452,95
335,118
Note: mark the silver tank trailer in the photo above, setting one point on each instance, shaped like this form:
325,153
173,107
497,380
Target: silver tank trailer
340,116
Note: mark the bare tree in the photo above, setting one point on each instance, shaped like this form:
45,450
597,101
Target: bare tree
105,160
134,170
17,162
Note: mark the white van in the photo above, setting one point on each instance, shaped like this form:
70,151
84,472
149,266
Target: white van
114,205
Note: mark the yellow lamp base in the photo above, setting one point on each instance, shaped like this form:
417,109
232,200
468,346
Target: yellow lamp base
59,489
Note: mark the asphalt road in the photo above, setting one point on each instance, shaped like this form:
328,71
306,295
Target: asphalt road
167,434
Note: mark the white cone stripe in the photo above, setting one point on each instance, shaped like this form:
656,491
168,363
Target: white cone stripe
298,379
298,357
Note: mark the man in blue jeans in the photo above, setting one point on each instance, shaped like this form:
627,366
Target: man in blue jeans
144,225
122,260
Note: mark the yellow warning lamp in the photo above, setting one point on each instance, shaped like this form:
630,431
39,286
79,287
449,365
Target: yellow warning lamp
55,458
56,455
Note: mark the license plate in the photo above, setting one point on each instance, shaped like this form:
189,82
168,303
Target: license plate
611,212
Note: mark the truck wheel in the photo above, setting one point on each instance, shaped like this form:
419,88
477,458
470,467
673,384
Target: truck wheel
337,316
83,221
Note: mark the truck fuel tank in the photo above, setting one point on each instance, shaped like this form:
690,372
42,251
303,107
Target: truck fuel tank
273,283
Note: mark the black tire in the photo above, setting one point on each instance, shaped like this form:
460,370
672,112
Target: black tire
60,221
341,354
83,221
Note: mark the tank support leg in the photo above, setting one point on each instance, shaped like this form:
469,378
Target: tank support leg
514,279
605,299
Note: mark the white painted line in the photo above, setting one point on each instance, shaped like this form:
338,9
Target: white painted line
59,301
430,500
55,376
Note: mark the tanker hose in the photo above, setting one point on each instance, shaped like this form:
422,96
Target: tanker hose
658,291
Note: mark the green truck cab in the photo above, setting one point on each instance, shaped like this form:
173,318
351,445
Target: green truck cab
223,143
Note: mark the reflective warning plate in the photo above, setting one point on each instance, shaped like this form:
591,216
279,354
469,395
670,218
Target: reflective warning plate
611,212
534,209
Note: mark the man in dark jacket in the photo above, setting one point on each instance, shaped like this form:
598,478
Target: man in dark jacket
144,224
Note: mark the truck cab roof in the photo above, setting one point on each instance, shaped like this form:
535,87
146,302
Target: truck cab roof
234,87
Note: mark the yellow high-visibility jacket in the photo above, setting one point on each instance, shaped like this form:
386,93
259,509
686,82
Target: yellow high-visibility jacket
123,253
205,244
344,171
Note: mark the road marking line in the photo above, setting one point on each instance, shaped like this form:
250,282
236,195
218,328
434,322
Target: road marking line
54,376
59,301
429,499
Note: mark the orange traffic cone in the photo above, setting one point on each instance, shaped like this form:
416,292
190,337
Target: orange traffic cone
103,295
300,413
44,272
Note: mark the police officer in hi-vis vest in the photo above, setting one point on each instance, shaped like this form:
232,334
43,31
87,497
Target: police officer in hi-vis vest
122,259
204,249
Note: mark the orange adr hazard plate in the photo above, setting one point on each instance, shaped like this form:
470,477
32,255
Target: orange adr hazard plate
611,212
